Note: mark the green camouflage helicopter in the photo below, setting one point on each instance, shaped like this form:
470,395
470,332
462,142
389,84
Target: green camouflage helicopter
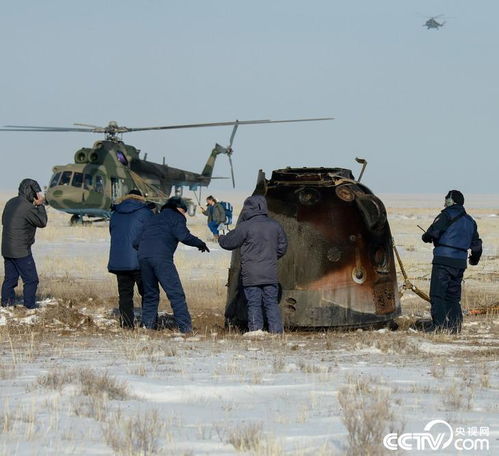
105,172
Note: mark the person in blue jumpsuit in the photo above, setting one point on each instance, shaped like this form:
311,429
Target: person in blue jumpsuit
453,233
156,245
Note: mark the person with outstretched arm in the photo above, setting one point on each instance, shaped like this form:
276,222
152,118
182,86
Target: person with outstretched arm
262,241
156,246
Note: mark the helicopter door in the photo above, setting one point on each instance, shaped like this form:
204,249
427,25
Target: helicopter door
117,188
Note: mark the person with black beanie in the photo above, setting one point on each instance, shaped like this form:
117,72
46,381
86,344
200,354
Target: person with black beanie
453,233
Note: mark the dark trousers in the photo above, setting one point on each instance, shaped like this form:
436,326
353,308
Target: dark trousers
163,270
126,285
25,268
445,295
263,298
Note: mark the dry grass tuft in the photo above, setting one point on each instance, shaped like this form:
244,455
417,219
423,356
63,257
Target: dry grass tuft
278,364
67,317
367,415
244,437
90,382
7,418
460,394
7,371
457,397
95,384
138,435
95,407
56,379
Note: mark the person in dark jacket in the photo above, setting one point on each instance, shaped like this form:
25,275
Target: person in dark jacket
262,242
126,223
21,217
156,245
453,234
215,213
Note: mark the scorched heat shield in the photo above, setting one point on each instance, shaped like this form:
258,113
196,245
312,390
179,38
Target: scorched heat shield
339,269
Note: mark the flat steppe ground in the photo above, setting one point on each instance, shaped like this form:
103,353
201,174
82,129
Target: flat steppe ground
73,382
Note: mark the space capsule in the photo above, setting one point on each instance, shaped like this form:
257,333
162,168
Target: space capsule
339,270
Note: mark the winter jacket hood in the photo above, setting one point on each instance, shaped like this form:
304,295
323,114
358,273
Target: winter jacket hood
130,204
28,188
127,221
261,240
253,206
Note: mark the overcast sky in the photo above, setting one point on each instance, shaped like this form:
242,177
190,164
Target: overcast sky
420,105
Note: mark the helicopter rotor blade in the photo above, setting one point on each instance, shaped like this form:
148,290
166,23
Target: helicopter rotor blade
41,129
232,171
86,125
219,124
116,129
231,140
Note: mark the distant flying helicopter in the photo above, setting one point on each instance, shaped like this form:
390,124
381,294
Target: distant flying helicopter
432,23
102,174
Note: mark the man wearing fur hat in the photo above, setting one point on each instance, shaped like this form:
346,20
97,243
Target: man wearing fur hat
453,234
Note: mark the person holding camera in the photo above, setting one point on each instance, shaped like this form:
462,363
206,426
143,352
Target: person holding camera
21,217
453,233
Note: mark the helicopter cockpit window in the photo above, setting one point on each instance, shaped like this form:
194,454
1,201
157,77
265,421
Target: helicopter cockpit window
65,178
77,180
121,158
87,181
54,180
99,184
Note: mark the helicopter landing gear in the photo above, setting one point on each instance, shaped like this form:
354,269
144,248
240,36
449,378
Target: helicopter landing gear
76,220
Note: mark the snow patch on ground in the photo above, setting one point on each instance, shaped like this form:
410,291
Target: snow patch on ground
205,387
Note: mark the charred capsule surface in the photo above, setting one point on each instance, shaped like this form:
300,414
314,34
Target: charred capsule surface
339,270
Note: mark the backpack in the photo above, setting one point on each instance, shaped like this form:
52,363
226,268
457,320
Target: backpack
228,208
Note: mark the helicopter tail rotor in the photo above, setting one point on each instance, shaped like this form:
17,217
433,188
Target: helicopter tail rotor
218,149
232,169
230,151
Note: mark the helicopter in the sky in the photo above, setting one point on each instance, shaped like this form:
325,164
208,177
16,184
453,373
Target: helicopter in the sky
105,172
432,23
